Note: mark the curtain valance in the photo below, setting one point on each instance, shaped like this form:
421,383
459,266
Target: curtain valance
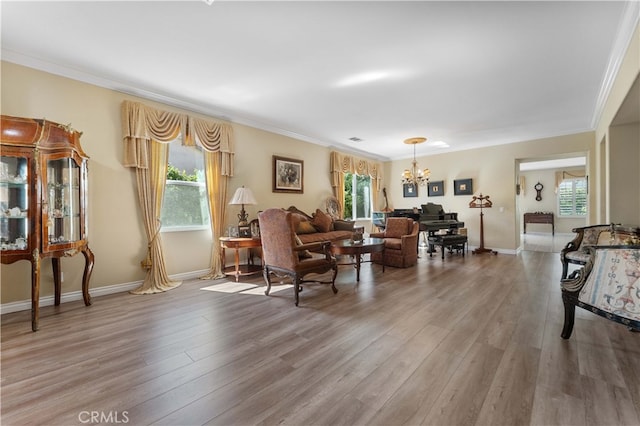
563,174
341,163
141,123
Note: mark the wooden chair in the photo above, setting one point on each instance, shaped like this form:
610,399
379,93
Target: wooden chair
400,243
283,256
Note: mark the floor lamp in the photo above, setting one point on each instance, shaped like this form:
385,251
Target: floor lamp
481,202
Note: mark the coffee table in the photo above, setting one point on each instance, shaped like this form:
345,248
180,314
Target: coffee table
357,249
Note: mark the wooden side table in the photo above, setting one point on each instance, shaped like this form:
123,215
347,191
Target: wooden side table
236,244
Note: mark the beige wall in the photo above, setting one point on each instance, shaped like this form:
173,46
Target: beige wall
493,170
115,230
624,154
612,168
116,235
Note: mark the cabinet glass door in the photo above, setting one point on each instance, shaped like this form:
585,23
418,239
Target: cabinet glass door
63,202
14,203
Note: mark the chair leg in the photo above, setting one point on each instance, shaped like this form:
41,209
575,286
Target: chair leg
296,289
333,280
569,315
267,277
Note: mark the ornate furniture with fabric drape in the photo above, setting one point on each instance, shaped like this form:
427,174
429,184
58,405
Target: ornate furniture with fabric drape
575,252
607,285
146,131
283,256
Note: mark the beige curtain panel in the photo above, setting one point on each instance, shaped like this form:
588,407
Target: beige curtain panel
145,131
342,163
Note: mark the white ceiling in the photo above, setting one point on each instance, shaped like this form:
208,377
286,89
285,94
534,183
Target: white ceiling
470,74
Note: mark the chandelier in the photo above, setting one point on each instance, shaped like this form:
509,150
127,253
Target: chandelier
415,175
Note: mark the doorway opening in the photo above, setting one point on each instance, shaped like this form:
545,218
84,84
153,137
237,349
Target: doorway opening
541,194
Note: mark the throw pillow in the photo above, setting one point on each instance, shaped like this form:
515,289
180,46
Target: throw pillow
305,254
322,221
305,227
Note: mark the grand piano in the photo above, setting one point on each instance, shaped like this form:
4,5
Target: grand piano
432,218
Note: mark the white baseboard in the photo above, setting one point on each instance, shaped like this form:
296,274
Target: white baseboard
25,305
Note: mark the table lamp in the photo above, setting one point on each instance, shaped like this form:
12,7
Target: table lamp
241,197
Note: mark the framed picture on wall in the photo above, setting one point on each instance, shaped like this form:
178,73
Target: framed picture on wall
435,189
409,190
463,187
288,175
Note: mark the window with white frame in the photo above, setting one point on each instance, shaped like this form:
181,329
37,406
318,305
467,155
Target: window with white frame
185,206
357,197
572,198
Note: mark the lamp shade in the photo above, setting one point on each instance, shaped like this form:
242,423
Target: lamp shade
243,196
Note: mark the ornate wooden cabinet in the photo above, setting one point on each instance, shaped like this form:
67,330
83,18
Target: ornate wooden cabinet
43,200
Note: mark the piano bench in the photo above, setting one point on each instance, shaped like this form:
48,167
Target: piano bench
452,242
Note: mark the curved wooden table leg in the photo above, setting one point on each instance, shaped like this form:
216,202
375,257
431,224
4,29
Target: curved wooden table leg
35,291
57,282
86,276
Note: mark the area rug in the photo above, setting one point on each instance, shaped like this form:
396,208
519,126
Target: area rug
274,289
244,288
229,287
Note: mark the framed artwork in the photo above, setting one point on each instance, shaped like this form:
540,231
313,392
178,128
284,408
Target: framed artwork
288,175
409,190
244,231
436,189
463,187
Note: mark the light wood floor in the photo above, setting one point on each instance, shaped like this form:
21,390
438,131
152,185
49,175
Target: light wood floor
467,341
538,241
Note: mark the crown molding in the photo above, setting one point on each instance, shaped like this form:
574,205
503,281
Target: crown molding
629,22
130,89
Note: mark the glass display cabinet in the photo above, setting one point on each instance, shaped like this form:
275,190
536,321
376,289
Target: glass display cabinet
43,200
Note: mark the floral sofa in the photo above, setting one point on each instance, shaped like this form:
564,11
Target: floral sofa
607,285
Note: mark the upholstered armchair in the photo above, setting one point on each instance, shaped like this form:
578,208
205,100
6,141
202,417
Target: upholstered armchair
575,251
607,285
284,255
400,243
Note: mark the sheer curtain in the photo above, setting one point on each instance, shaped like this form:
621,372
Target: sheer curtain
342,163
146,131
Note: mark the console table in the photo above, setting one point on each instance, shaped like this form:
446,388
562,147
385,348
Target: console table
539,217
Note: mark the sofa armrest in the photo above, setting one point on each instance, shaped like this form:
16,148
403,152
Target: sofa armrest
376,235
343,225
323,247
574,244
409,242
